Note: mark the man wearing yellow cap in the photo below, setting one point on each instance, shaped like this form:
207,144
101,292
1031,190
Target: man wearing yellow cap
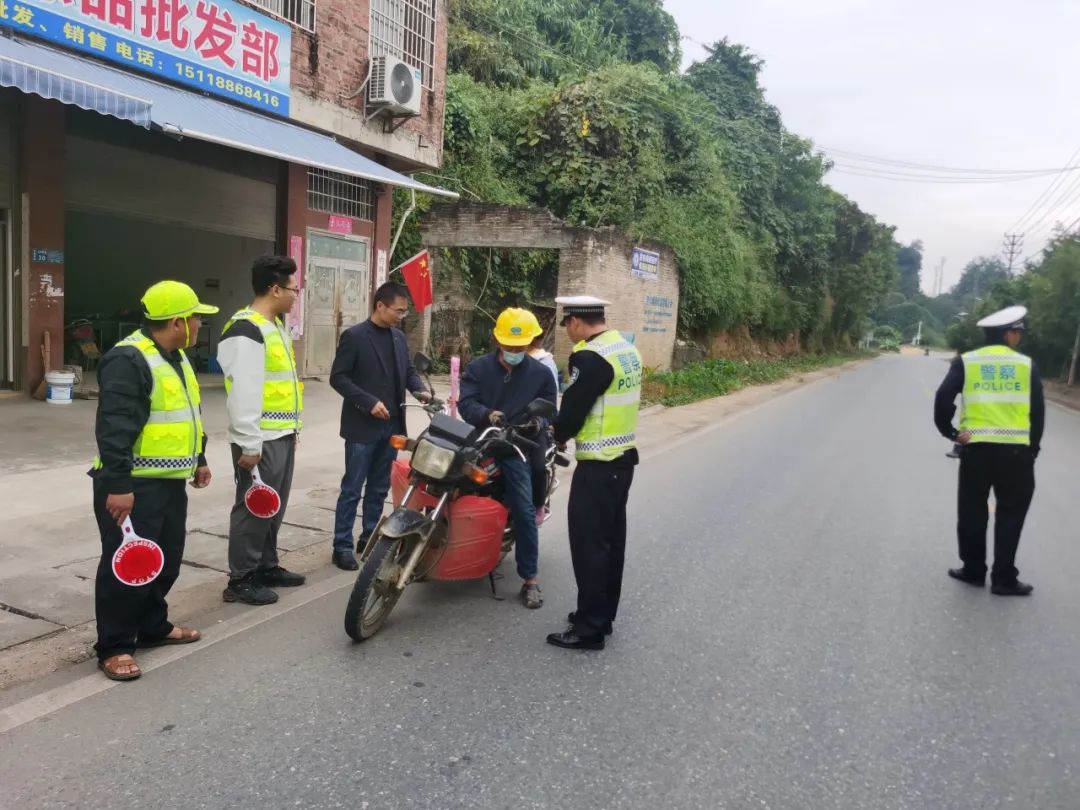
496,389
150,442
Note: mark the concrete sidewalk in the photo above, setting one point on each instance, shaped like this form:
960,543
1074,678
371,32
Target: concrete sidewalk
50,548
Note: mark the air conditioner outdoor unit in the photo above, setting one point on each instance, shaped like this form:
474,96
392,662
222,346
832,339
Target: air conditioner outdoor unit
394,85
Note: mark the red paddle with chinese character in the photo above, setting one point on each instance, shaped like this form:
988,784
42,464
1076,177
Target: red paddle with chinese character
138,561
261,499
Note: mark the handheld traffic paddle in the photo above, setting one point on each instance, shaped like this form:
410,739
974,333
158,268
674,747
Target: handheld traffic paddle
138,561
261,500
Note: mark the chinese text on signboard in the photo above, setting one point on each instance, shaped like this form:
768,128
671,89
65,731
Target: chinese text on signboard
218,46
645,264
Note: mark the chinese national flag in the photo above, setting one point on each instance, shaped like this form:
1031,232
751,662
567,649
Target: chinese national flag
417,274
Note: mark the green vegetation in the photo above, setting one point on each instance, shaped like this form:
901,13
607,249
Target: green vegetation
578,106
714,378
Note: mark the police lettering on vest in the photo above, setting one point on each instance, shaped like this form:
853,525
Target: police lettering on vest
996,404
609,429
169,444
283,392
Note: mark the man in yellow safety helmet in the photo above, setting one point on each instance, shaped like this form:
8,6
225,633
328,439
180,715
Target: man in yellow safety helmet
497,389
150,442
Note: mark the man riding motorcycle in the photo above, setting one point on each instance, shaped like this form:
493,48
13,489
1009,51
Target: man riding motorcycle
498,387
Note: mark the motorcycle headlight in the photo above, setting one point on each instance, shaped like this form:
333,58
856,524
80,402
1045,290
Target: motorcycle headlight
431,460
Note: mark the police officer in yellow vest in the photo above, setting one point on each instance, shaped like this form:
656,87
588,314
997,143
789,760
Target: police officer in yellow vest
1001,425
150,442
265,401
599,411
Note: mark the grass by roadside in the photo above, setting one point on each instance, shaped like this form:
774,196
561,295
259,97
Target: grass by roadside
714,378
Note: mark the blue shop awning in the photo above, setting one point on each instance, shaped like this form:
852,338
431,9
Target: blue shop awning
70,79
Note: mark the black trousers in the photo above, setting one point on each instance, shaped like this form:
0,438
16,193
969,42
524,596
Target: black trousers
538,468
597,515
125,614
1009,470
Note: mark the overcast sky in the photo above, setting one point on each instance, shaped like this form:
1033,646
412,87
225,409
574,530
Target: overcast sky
984,85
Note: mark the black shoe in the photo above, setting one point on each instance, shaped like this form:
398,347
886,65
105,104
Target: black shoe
607,625
963,576
1014,588
278,577
250,591
569,640
346,561
361,542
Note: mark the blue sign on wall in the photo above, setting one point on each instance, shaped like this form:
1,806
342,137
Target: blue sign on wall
217,46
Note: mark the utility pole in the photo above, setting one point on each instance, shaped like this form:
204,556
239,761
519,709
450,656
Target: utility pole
918,336
1012,247
939,277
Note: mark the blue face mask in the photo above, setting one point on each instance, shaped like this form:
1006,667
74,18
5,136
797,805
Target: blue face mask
512,358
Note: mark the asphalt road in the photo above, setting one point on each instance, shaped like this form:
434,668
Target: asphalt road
788,639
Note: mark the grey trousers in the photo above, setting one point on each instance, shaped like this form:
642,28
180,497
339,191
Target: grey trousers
253,540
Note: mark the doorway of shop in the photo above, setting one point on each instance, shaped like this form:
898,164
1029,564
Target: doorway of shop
337,294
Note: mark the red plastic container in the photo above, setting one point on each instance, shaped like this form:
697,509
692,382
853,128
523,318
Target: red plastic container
399,482
474,540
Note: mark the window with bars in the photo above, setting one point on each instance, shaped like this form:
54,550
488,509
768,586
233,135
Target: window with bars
341,194
300,13
405,29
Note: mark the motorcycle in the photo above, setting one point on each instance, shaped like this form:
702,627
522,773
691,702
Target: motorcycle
448,522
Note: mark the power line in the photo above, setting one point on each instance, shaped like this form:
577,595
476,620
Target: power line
844,154
1046,192
859,171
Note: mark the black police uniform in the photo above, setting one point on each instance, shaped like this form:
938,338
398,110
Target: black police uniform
597,508
1008,469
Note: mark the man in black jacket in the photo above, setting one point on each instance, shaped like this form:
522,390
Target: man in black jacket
498,388
140,472
371,371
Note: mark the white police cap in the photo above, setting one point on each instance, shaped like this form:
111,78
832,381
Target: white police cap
577,305
1008,318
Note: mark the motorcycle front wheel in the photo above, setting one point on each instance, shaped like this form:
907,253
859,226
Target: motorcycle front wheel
375,592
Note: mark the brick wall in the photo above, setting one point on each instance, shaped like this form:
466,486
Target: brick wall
332,63
598,263
591,262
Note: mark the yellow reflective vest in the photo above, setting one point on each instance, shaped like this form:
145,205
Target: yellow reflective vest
283,392
609,429
996,405
171,440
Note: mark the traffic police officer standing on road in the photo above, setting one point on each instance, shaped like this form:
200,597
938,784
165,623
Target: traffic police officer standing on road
1001,426
599,410
150,442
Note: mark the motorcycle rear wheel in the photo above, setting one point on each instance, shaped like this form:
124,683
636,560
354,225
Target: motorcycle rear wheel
375,592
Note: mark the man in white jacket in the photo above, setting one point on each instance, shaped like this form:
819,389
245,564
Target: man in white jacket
265,400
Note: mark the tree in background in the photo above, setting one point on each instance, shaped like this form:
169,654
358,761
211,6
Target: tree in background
909,263
578,106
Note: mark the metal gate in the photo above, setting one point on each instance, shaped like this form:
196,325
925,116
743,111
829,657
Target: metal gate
337,294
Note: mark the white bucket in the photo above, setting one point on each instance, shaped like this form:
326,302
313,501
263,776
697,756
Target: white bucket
59,385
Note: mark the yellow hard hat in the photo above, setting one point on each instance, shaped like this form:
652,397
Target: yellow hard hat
515,327
534,325
173,299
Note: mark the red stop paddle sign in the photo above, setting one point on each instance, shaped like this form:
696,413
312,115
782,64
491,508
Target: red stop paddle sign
261,500
138,561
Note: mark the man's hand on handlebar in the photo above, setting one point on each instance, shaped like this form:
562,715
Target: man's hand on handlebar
496,418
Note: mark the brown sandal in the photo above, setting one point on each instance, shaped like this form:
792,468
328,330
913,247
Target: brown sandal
187,636
110,666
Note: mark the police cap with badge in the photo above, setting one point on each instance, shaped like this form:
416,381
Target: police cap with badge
1004,320
581,306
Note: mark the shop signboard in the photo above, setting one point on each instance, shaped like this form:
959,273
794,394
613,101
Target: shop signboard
218,46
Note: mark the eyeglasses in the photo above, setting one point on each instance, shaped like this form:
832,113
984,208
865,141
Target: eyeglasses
290,289
401,313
